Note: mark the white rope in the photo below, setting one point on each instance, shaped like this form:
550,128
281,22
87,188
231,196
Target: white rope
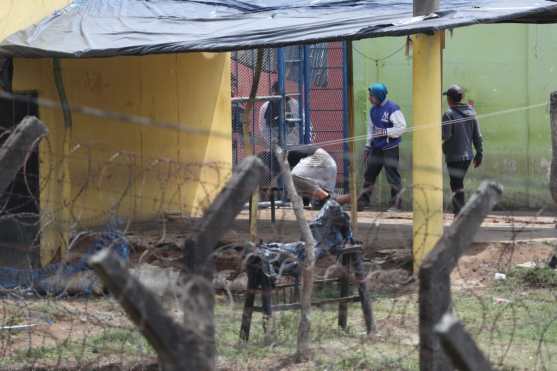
364,137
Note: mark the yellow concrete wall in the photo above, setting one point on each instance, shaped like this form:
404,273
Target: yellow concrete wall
16,15
109,167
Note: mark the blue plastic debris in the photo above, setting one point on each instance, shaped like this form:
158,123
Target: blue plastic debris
331,231
52,278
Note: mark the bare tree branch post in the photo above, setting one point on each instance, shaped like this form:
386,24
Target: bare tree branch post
178,348
191,345
303,347
198,263
17,147
553,125
460,346
435,284
254,199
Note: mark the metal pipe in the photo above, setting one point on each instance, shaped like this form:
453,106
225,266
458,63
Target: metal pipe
425,7
282,88
264,97
306,92
350,163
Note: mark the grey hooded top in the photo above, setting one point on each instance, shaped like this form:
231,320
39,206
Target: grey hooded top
460,131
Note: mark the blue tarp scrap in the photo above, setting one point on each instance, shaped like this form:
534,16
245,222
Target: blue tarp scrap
39,279
331,231
101,28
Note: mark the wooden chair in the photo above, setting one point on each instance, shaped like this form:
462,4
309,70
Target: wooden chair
351,259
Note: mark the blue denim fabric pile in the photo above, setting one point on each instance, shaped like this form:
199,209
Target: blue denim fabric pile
331,231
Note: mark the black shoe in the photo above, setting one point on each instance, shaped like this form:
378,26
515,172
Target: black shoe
396,205
552,262
317,204
362,205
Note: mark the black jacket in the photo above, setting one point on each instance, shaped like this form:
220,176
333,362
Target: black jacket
460,131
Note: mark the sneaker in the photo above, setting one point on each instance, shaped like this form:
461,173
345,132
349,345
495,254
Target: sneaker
394,209
552,262
317,204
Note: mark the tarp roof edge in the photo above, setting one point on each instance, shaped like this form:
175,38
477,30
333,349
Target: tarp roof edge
35,42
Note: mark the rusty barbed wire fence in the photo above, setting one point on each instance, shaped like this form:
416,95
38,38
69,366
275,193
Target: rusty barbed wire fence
503,292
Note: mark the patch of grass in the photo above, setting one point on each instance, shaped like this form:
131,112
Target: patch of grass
128,341
127,344
514,324
11,315
538,277
358,359
515,327
328,291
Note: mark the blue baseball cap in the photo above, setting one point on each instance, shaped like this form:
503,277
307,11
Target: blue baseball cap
378,90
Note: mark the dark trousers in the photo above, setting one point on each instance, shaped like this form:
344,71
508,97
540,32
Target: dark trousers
377,160
457,171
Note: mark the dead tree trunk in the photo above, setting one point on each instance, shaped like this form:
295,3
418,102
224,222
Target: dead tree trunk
198,262
303,349
17,148
191,345
459,346
553,124
247,142
178,348
435,285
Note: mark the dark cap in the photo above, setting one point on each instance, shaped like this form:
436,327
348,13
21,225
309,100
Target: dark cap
455,92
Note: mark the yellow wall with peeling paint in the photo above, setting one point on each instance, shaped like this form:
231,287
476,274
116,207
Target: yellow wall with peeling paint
104,166
16,15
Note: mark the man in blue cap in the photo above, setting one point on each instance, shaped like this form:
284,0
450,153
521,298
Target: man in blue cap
386,124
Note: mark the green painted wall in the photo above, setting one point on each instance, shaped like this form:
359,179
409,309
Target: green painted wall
508,71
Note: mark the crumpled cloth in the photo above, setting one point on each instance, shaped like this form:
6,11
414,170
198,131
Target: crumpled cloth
331,230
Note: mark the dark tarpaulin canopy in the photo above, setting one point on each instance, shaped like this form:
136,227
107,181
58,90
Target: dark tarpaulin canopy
99,28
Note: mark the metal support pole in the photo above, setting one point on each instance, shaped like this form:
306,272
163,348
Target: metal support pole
307,95
553,126
346,115
249,111
425,7
301,123
282,88
350,162
427,155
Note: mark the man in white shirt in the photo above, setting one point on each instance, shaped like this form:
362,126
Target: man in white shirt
314,173
269,123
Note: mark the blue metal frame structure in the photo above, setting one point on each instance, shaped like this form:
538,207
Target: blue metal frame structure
345,118
281,72
296,68
306,117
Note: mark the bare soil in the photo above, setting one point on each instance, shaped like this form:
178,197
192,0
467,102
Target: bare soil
83,320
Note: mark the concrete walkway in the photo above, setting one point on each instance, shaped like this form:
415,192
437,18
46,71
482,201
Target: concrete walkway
394,230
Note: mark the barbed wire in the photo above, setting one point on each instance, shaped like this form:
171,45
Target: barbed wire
90,331
503,290
149,122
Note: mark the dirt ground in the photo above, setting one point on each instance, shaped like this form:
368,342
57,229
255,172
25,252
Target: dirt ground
93,331
503,241
481,261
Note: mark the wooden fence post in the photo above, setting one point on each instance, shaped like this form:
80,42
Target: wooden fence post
435,284
553,126
17,148
304,338
459,346
190,345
